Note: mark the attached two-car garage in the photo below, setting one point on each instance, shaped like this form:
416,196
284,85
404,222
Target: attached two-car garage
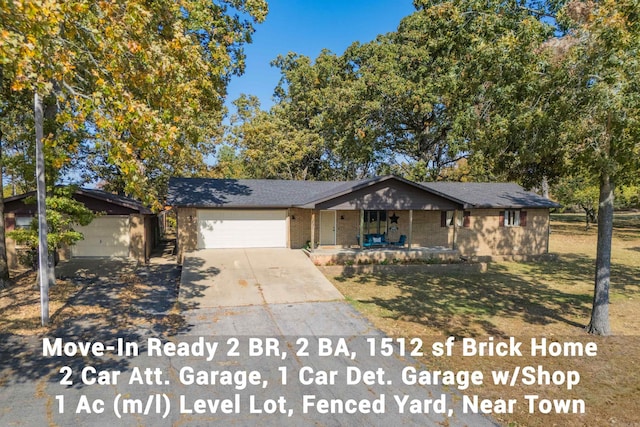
227,228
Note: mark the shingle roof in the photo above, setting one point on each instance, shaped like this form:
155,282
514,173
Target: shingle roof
248,193
116,199
271,193
100,195
490,195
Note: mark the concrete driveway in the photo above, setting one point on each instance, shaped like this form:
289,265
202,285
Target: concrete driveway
253,276
240,296
273,363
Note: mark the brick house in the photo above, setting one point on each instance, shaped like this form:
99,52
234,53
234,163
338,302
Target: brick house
124,228
474,218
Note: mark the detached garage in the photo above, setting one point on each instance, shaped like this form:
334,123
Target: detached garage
123,228
225,228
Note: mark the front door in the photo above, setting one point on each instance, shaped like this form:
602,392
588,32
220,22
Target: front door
327,227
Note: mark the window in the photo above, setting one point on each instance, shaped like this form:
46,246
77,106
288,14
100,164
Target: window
462,219
375,222
23,221
513,218
447,219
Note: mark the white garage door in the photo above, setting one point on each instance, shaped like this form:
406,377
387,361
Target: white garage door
106,236
242,229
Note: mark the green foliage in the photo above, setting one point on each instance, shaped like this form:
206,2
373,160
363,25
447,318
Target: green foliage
229,164
134,87
63,214
579,192
586,83
628,197
271,147
410,102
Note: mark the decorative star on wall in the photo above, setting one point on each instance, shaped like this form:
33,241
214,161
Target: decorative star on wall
394,218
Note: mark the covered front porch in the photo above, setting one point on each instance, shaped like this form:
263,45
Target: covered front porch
390,230
395,218
345,256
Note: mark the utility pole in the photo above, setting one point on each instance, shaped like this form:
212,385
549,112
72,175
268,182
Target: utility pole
43,258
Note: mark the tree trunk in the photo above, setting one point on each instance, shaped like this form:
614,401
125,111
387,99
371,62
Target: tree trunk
545,187
599,323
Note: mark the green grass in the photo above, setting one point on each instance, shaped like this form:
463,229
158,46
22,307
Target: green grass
545,298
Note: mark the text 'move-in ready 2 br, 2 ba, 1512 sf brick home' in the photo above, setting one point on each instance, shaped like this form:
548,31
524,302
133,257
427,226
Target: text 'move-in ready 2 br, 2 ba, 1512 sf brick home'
474,219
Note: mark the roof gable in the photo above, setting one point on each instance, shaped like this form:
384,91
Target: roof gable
384,193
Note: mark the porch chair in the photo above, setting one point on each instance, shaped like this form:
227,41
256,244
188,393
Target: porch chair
400,242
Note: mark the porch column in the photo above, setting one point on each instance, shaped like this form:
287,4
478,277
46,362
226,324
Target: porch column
455,228
410,237
361,228
313,229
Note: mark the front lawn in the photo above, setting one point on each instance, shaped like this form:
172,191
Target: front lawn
549,299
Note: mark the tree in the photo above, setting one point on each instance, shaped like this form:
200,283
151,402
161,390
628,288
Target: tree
229,164
4,266
586,81
403,103
137,85
143,83
271,147
601,70
581,192
63,215
411,86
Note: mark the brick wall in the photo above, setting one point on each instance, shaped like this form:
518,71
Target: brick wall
187,233
347,228
12,256
299,227
485,236
428,232
137,238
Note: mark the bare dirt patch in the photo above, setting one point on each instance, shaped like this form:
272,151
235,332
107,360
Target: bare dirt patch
121,301
20,305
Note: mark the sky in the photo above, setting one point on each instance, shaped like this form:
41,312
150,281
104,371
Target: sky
306,27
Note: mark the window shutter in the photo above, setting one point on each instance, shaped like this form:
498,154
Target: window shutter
443,218
501,219
466,222
523,218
